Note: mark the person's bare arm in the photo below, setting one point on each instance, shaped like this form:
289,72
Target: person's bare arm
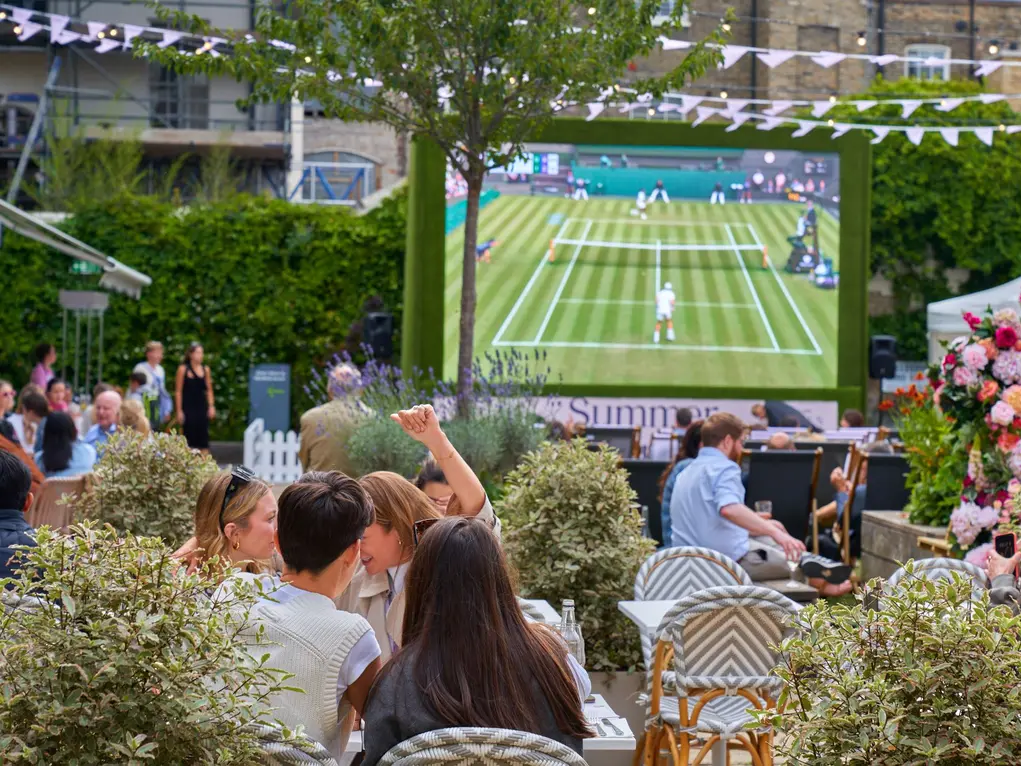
421,424
746,518
358,692
209,393
179,393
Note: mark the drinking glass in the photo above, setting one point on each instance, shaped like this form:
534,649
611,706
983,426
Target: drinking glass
792,565
764,507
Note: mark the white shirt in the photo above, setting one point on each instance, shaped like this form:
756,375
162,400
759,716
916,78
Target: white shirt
155,377
665,301
641,199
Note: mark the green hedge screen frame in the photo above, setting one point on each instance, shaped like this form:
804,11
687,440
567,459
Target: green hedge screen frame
422,329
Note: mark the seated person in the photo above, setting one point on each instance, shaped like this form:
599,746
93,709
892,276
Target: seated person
707,510
685,456
9,443
829,539
852,419
781,442
470,658
62,454
136,383
333,655
15,500
1003,586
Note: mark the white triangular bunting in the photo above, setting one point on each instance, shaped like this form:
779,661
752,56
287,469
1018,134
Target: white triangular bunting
689,102
704,113
864,106
950,135
734,106
915,135
666,106
169,38
881,132
985,135
769,123
58,24
594,110
949,104
95,27
840,129
1012,129
887,58
819,108
731,55
106,45
778,107
908,107
739,119
803,129
20,15
987,68
673,45
28,29
827,59
642,98
67,37
775,58
991,98
131,31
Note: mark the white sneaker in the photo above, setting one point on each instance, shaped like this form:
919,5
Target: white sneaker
655,337
644,217
670,334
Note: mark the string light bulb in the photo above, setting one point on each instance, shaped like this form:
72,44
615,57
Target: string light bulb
17,30
592,11
830,123
653,111
725,27
100,35
1003,128
862,40
994,48
308,59
3,15
723,94
113,33
833,99
512,80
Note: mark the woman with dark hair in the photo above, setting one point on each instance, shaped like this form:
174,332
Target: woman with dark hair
194,396
433,482
45,357
62,454
469,658
688,451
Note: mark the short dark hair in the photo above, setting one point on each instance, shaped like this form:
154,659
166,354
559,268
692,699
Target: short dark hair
320,516
42,351
853,418
431,473
36,404
15,482
139,377
7,431
683,417
54,381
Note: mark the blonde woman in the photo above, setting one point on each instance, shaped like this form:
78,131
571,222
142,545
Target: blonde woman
377,590
235,519
133,416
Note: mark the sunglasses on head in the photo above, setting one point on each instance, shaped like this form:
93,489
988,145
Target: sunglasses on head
239,477
420,527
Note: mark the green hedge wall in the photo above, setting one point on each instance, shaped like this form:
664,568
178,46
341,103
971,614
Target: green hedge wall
254,280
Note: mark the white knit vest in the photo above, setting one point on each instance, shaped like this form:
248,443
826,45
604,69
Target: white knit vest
309,637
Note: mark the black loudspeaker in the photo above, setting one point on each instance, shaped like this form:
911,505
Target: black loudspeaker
882,356
378,334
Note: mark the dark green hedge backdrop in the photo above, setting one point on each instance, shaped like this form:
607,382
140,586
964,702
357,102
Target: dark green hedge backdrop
254,280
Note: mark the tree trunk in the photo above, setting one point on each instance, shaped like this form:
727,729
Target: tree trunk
466,348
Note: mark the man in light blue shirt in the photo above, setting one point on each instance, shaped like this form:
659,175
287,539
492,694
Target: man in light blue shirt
107,413
707,510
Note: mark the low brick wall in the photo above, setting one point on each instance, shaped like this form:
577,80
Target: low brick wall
888,539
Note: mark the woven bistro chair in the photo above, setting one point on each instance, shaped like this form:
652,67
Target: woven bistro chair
47,510
278,750
720,642
470,746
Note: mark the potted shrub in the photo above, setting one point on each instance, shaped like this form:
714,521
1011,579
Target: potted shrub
934,677
147,485
572,530
115,655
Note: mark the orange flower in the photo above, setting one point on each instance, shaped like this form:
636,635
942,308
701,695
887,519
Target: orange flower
886,405
1008,441
988,390
919,376
990,346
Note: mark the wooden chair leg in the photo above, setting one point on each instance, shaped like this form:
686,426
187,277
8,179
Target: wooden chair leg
706,748
639,754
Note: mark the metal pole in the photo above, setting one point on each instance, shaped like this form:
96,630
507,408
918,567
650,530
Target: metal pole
971,32
33,132
77,344
99,375
63,347
88,347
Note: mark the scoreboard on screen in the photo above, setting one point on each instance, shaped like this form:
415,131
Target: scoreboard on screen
546,164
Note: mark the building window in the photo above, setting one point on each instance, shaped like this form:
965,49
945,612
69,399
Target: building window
178,101
929,67
662,15
338,176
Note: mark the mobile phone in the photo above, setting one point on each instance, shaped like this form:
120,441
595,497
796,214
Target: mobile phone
1006,545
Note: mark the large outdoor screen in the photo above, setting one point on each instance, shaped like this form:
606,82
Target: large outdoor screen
656,265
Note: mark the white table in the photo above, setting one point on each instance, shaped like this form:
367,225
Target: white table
647,615
549,614
595,712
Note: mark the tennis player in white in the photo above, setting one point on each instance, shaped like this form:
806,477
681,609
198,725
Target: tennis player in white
640,204
665,300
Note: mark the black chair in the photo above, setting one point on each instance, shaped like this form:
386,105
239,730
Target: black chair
625,439
643,476
834,455
788,479
887,483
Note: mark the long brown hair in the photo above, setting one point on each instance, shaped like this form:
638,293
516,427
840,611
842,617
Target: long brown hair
690,443
398,503
475,659
208,529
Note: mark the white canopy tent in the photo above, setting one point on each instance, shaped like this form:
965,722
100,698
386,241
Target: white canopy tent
944,318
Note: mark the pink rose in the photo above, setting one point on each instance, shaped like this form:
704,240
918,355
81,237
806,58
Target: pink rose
1006,336
979,556
965,377
975,356
1002,413
972,320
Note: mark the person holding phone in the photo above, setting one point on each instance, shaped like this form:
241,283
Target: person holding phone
1002,571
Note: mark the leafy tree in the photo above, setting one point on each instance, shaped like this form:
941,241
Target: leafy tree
937,207
476,77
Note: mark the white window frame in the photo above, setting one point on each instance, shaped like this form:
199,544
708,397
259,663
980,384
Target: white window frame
927,71
662,15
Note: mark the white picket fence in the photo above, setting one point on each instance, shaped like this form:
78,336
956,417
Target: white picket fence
272,455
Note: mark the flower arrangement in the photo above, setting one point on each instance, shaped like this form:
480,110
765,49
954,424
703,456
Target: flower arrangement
977,386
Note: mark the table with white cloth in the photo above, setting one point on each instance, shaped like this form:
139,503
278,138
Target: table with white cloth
612,730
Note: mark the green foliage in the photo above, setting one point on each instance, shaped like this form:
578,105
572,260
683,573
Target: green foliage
254,280
479,440
114,655
379,444
571,528
936,207
219,176
933,678
147,485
